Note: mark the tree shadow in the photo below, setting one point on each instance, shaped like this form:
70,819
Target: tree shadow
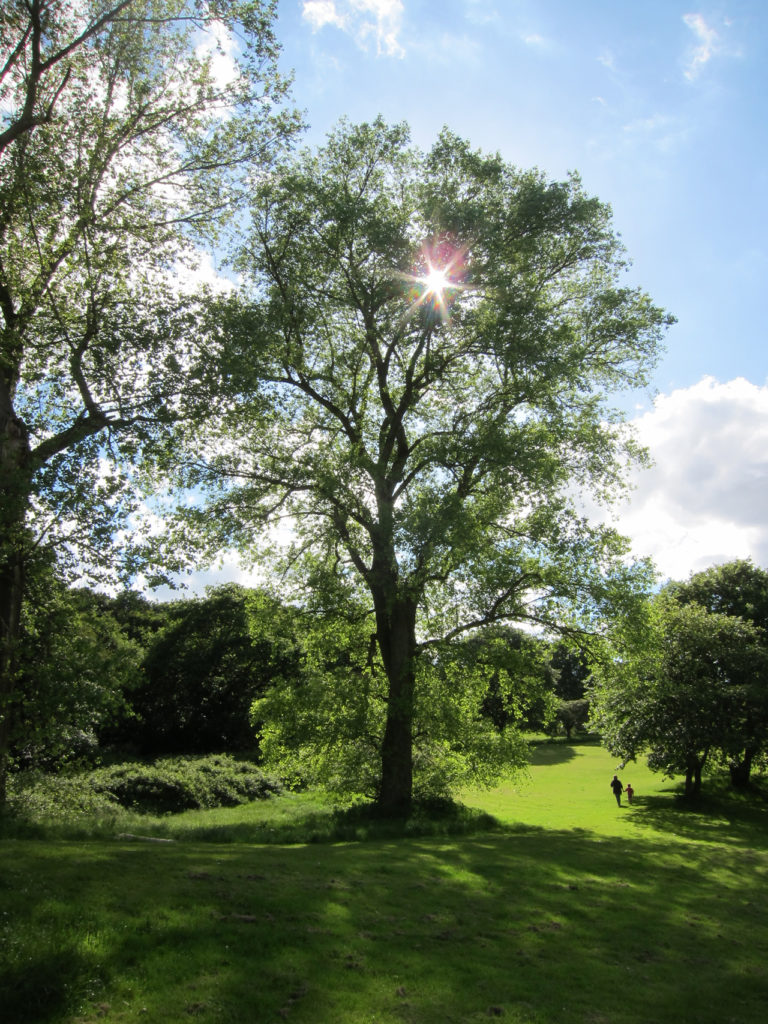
548,752
421,930
733,820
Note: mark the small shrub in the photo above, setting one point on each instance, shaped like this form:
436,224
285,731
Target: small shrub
38,798
184,783
102,797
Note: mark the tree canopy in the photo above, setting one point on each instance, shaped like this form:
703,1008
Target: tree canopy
418,379
130,131
690,690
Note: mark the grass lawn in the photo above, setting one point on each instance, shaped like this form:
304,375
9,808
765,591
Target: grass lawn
572,911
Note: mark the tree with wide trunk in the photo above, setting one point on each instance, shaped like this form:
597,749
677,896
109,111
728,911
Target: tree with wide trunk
129,132
416,378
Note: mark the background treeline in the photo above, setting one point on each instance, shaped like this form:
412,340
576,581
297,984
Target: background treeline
128,677
133,677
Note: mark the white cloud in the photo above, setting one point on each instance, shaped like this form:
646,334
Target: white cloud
380,20
705,500
198,269
322,12
707,47
220,47
709,43
607,59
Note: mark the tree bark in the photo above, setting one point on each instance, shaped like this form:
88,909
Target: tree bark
14,502
742,770
693,779
396,636
11,597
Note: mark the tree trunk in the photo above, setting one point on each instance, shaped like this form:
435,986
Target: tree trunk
742,770
14,499
693,777
11,596
396,635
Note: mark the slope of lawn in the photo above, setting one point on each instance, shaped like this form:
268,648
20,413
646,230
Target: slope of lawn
570,911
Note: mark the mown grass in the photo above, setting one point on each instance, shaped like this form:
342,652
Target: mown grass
567,910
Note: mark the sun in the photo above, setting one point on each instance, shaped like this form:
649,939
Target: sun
435,281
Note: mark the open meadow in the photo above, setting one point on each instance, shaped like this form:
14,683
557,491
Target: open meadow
560,909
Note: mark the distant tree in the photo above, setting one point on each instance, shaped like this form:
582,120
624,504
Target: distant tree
738,588
202,671
122,144
519,681
418,378
571,715
678,695
570,671
76,671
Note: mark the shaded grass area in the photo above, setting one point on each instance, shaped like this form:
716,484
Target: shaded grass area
538,927
637,915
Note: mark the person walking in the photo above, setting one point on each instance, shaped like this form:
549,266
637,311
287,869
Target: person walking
630,792
617,788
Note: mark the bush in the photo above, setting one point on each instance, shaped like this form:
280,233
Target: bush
36,797
103,796
184,783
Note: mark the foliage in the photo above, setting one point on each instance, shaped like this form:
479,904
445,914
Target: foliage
680,694
179,783
127,138
417,379
76,668
570,670
168,785
570,715
203,669
324,724
738,588
39,799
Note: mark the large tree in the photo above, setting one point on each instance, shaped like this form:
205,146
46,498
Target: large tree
203,670
419,380
129,132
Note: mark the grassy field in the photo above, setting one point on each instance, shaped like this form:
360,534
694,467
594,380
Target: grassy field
569,910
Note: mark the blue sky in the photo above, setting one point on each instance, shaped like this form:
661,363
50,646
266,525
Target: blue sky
662,107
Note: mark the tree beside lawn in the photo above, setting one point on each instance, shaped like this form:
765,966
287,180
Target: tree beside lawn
417,379
127,138
678,693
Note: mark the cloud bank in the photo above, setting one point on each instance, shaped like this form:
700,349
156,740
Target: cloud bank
705,501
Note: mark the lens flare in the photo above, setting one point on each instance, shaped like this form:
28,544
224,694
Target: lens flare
436,280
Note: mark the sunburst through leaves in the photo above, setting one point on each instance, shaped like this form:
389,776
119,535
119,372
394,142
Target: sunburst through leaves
437,278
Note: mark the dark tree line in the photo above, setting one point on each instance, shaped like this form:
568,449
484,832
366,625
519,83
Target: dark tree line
130,676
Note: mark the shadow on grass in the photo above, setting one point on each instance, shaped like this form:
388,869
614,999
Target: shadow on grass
717,817
39,990
547,752
352,824
541,927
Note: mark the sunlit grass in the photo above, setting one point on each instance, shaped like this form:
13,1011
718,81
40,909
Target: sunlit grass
572,911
